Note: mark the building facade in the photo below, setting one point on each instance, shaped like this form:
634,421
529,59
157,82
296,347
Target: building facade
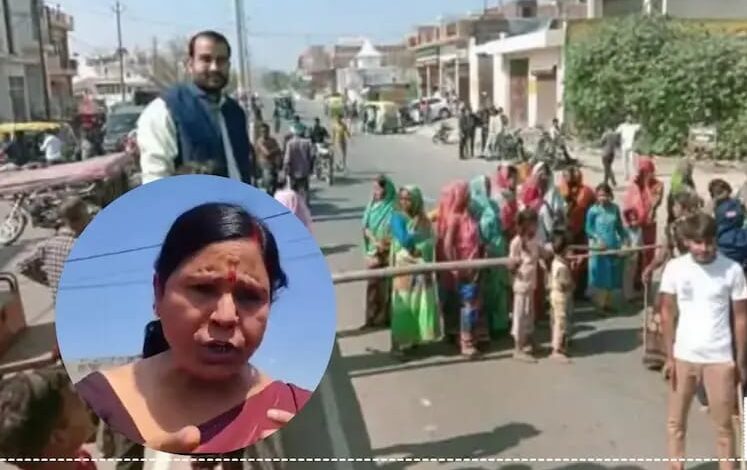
99,78
35,82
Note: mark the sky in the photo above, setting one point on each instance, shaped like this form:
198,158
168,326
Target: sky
279,29
104,302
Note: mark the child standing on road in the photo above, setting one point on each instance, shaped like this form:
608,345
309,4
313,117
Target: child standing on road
561,296
525,254
635,240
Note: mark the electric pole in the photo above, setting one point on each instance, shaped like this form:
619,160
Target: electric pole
39,6
241,39
118,9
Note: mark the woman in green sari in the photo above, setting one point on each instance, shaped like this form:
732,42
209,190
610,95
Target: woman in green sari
495,283
376,246
414,301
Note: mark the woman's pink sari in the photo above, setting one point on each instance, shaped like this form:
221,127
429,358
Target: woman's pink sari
296,204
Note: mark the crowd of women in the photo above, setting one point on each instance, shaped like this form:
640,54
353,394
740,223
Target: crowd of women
562,241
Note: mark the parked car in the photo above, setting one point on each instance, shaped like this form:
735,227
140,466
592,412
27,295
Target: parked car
439,109
120,122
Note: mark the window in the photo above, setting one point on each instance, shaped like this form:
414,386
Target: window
527,12
17,87
107,89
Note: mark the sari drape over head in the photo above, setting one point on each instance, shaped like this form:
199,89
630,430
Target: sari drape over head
377,216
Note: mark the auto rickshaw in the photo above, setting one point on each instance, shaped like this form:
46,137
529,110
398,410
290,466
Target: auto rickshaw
388,119
30,135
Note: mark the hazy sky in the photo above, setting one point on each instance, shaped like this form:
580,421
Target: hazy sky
104,302
279,29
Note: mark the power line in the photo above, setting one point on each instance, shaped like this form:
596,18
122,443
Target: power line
150,247
105,285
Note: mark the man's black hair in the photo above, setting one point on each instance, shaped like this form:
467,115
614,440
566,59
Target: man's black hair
31,405
700,227
214,35
561,240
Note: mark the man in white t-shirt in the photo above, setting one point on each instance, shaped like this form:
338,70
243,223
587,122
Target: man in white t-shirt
700,291
52,148
628,132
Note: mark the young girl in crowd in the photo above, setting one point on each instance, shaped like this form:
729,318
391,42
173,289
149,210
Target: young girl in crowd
293,200
561,296
631,260
525,254
605,230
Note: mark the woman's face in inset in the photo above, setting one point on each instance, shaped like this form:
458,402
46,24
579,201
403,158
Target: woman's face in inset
214,308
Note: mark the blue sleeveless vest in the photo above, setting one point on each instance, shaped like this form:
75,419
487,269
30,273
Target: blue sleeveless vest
199,135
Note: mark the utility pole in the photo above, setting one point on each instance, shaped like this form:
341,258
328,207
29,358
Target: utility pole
154,58
241,39
38,5
118,9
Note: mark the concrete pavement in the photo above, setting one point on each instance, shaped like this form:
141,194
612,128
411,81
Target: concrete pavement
604,405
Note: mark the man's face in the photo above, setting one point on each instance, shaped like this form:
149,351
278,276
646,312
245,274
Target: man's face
702,251
210,64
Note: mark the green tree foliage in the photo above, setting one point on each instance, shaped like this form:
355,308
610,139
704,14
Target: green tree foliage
669,74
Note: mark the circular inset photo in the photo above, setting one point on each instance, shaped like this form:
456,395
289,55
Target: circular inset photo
196,314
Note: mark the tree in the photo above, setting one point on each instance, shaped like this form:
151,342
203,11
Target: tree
670,74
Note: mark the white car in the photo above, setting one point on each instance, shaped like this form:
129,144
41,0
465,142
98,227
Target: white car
439,109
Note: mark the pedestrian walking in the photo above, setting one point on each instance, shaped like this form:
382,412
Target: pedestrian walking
196,122
340,137
51,147
628,132
610,142
605,231
467,127
269,160
414,302
483,122
298,163
704,313
377,241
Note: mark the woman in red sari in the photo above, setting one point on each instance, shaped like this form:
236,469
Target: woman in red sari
644,196
447,285
578,199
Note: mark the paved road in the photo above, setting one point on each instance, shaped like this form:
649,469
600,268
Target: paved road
603,405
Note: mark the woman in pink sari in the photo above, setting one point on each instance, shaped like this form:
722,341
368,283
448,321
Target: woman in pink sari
447,283
462,242
644,196
296,204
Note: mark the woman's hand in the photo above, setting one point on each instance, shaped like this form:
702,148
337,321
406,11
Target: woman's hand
183,441
279,417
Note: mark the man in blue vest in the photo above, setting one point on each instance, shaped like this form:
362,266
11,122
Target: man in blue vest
195,127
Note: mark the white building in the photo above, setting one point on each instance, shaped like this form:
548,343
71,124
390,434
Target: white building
367,69
99,77
23,24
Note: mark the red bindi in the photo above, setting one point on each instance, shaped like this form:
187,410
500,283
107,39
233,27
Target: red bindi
231,278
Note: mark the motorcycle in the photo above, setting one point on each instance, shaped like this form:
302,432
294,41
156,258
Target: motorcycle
553,152
442,134
40,208
509,146
324,163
